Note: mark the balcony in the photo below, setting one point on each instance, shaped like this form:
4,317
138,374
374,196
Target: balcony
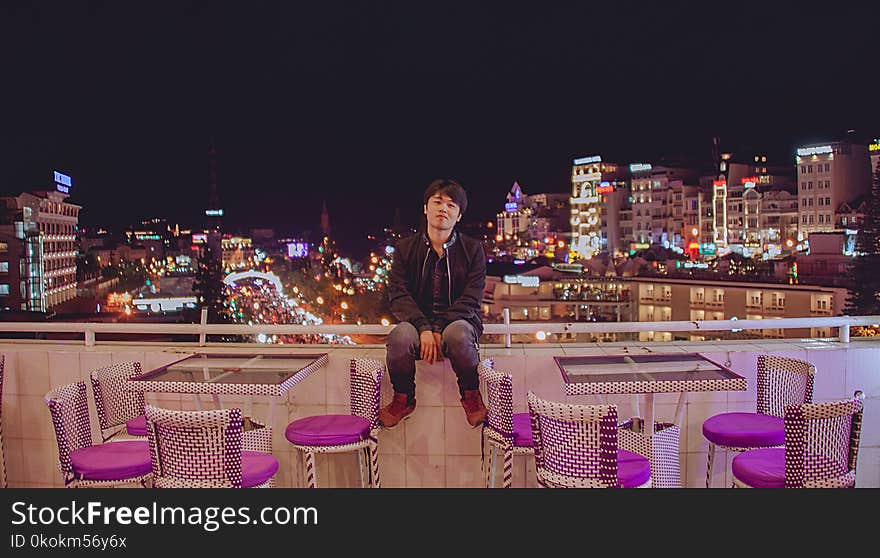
436,447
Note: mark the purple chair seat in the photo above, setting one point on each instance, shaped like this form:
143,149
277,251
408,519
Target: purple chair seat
137,426
765,467
257,467
745,430
328,430
112,461
522,431
761,468
632,469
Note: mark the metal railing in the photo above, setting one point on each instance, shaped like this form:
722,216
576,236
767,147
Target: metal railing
506,328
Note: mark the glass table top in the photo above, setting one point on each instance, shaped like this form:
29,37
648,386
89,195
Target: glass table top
231,369
681,367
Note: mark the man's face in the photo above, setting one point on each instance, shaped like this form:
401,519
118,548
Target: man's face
442,212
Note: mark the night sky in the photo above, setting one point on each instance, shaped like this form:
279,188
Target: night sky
362,104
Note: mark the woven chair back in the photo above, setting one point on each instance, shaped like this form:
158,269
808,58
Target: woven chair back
575,445
783,381
366,385
195,449
70,417
822,443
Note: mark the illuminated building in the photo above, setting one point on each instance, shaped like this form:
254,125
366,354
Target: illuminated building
599,190
238,252
874,151
38,230
828,176
532,225
778,222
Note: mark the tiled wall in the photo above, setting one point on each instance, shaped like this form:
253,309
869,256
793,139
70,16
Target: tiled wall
435,447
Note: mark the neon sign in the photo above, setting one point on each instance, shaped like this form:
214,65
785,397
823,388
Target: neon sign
819,150
719,183
510,207
62,182
874,146
604,188
749,181
588,160
214,212
640,167
524,280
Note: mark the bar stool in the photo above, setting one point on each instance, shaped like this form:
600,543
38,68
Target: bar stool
204,449
781,381
120,412
576,447
83,463
821,449
503,430
356,431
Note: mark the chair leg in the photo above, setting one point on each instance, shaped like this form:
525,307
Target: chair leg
710,462
492,467
311,481
375,481
360,455
508,467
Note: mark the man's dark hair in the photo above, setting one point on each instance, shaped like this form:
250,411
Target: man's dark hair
449,187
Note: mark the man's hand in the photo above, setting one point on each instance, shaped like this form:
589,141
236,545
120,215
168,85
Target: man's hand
430,346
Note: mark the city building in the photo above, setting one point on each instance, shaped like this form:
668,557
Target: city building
874,151
830,175
659,299
238,252
599,191
564,293
532,225
38,230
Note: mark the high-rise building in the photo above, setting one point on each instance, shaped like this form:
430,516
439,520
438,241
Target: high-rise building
38,248
828,176
874,150
599,190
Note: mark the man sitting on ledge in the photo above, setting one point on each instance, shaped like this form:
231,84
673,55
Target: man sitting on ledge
435,289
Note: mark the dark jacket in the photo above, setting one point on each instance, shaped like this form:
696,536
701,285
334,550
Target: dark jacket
409,279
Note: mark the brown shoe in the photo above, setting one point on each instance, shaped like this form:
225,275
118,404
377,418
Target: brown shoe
473,407
396,411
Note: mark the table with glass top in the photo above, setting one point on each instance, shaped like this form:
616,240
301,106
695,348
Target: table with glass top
248,374
643,375
646,374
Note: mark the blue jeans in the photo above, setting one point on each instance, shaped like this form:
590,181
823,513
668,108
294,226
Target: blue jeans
459,345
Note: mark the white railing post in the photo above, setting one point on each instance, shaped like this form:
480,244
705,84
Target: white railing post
507,323
843,332
89,336
203,320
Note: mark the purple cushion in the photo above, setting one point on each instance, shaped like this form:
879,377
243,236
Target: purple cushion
257,467
112,461
632,469
761,468
522,430
328,430
745,430
137,426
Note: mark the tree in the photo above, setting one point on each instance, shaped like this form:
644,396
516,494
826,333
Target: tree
209,287
864,298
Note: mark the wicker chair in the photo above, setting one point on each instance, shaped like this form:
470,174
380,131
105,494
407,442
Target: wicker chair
120,412
576,447
203,449
2,456
781,381
356,431
821,449
503,430
82,463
